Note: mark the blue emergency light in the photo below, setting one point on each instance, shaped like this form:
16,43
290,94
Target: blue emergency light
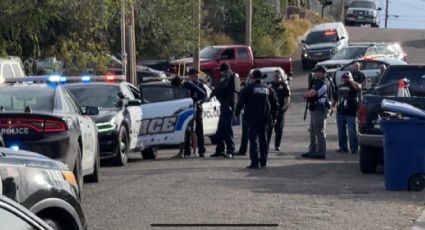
85,78
14,147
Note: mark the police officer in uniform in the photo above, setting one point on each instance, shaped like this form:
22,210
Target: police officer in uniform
198,98
260,105
225,93
283,94
318,99
244,137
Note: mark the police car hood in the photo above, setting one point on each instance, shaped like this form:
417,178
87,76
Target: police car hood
333,64
29,159
105,115
320,46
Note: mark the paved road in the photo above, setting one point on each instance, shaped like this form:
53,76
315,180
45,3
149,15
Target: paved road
292,192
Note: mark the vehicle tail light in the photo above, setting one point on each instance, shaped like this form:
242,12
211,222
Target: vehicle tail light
362,113
38,125
55,126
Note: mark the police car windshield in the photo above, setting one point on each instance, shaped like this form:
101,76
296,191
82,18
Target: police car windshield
350,53
18,98
321,37
209,53
363,4
103,96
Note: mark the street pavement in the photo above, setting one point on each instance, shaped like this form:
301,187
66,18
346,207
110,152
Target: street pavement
292,193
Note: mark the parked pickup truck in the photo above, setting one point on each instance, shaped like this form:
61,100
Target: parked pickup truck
239,57
387,87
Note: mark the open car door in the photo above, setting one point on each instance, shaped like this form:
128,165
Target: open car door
167,111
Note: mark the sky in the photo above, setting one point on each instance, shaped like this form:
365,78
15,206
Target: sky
411,14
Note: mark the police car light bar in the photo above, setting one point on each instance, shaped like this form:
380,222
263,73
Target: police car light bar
57,79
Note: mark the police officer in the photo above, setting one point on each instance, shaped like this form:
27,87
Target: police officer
198,94
318,100
260,105
198,98
283,94
346,101
225,93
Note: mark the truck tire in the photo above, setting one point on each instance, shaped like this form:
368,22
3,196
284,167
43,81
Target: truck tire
417,182
150,153
368,159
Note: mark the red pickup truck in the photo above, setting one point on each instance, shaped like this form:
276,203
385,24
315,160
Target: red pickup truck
239,57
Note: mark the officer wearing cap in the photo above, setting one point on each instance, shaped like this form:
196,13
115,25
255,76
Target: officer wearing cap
260,105
346,101
318,99
225,93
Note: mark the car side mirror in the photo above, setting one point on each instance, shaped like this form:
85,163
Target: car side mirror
121,95
91,110
134,103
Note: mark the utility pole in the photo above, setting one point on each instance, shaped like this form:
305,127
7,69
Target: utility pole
386,12
248,22
196,59
123,52
342,10
132,46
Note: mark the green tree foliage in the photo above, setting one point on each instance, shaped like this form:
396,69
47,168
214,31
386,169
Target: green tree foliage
166,28
72,30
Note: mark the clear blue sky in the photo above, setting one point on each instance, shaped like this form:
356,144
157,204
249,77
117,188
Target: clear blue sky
411,14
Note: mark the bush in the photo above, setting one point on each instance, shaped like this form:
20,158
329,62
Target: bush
293,30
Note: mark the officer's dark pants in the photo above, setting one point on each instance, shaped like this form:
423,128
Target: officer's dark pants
188,139
224,134
278,129
244,139
258,130
199,130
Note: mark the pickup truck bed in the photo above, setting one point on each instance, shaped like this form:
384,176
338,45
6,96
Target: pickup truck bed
369,132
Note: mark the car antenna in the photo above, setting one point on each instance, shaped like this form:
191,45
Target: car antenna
28,109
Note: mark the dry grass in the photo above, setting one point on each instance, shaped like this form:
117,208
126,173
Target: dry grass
294,28
216,39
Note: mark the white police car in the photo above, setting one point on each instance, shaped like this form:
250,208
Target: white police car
167,111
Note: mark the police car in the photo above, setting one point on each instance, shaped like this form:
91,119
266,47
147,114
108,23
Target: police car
39,115
369,66
120,116
162,102
44,186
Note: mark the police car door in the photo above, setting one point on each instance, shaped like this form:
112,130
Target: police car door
167,111
135,116
88,135
210,114
371,71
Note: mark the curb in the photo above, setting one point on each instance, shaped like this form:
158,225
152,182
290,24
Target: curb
420,222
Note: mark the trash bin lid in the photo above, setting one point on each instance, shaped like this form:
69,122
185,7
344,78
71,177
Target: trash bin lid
403,108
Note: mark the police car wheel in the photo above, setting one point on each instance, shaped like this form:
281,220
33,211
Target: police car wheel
149,153
78,173
121,157
94,178
417,182
52,223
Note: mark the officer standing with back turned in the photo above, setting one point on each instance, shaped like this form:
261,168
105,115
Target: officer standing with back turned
260,105
225,93
318,99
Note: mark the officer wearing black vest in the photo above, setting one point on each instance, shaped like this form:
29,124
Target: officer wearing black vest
260,105
318,99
